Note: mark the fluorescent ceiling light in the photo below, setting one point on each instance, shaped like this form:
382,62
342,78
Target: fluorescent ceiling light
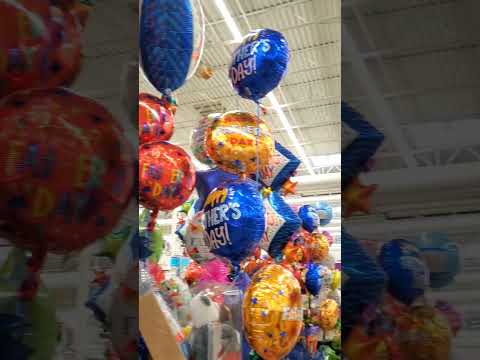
237,35
311,199
326,160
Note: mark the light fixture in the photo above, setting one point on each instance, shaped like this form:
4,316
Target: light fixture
237,35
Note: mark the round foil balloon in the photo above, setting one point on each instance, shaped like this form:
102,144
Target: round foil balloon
442,256
328,314
310,219
234,219
317,247
167,176
66,170
155,119
427,334
232,142
272,312
282,222
259,63
407,273
197,140
166,42
316,277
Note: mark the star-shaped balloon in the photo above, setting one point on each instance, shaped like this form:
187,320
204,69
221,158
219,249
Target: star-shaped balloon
289,188
356,197
366,141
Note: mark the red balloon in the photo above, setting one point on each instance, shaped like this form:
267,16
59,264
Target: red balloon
155,119
167,176
65,170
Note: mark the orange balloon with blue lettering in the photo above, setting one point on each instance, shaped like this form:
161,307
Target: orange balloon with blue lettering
66,170
166,176
239,141
272,312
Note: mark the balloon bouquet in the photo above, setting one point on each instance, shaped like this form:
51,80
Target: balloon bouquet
66,164
390,315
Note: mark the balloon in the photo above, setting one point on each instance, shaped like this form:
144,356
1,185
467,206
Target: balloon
232,142
193,273
198,36
155,119
294,253
316,277
406,270
197,140
282,222
328,236
441,256
66,170
194,241
167,176
426,334
259,63
207,181
272,312
166,42
316,246
324,212
280,168
234,219
328,314
309,217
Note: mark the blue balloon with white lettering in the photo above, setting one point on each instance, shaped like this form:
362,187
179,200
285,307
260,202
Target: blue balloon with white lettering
282,222
259,64
234,219
407,272
310,219
325,213
166,42
208,180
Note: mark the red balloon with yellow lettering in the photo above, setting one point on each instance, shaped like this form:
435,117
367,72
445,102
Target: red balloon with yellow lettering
65,170
155,119
167,176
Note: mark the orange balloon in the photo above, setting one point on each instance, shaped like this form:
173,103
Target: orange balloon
316,245
327,315
272,312
232,142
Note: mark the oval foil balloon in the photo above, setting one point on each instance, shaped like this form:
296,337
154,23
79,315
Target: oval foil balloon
310,219
155,119
282,222
328,314
234,219
197,140
232,142
166,42
66,170
259,63
272,312
167,176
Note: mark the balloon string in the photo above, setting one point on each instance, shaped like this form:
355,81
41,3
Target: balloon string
257,138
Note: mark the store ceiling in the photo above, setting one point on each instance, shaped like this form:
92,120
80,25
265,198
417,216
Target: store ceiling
310,92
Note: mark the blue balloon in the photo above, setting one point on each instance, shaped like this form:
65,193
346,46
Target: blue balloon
442,258
314,278
166,42
259,64
209,180
282,222
234,220
282,166
407,273
310,219
325,213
